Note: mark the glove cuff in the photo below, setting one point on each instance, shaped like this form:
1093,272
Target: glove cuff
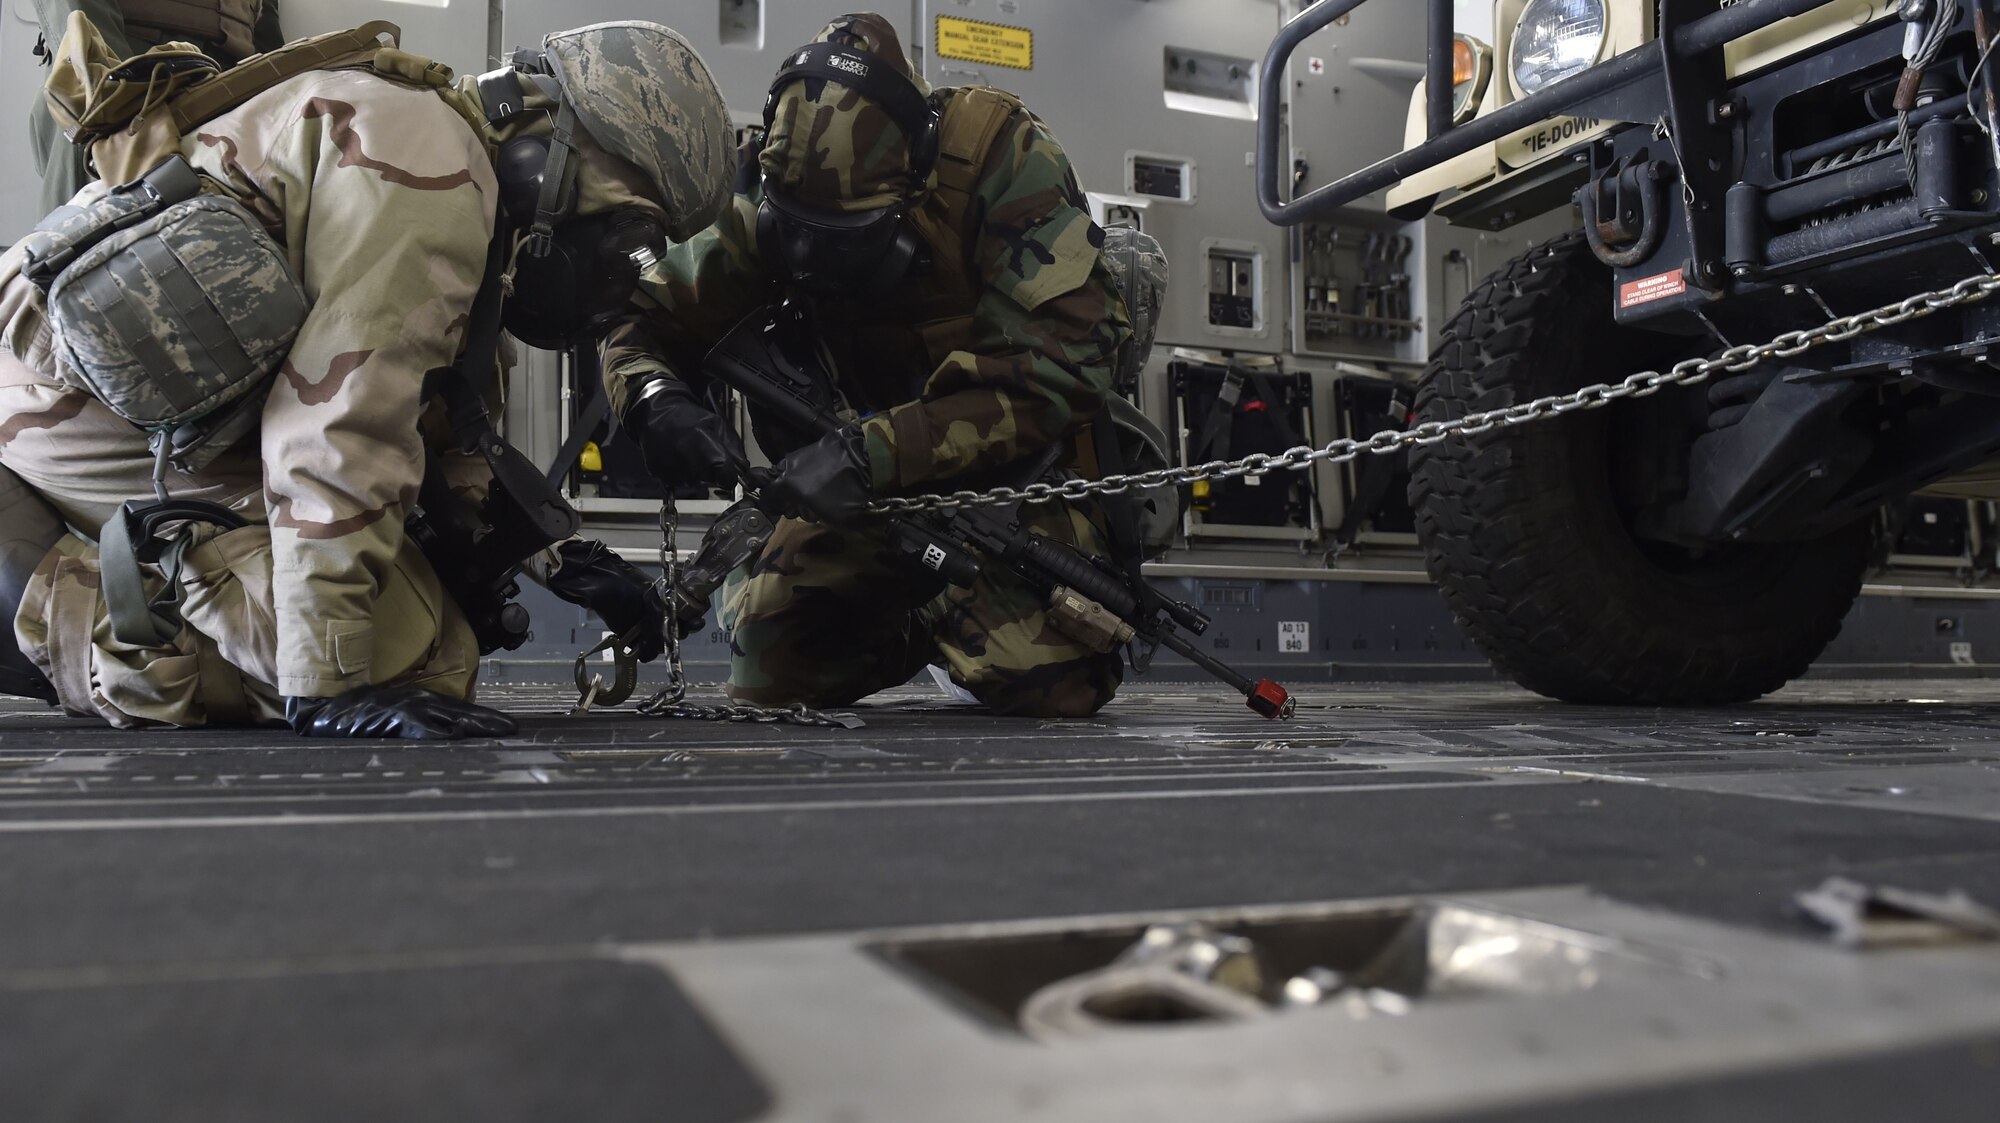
648,387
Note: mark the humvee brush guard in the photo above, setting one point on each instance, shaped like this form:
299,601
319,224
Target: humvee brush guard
1741,170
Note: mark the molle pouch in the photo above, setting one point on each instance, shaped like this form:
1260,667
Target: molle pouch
1139,268
170,306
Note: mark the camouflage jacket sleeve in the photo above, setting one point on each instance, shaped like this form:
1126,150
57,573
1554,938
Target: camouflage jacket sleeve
687,302
1045,333
384,197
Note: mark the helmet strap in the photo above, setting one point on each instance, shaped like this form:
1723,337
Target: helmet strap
556,181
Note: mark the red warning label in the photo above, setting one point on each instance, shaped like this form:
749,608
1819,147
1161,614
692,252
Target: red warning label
1648,289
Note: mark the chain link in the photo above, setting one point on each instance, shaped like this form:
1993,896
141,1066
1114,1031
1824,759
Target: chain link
1389,442
671,701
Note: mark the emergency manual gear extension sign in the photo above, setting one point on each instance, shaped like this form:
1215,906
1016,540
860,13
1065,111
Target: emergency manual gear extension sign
993,44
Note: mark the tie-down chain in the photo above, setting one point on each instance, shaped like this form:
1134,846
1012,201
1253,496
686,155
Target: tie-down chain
671,701
1644,384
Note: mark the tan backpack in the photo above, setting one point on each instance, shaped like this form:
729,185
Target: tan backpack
130,114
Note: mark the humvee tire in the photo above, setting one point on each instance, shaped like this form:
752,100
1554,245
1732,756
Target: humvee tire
1522,532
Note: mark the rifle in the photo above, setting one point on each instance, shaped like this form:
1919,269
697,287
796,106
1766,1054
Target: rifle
762,358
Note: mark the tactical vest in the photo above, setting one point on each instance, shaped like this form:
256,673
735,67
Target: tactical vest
227,26
906,337
888,349
130,115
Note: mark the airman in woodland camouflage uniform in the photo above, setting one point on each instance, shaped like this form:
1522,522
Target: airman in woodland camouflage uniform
1000,349
382,187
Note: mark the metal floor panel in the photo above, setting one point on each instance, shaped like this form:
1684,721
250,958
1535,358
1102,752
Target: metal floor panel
168,897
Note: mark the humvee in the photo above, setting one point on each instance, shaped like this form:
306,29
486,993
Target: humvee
1740,170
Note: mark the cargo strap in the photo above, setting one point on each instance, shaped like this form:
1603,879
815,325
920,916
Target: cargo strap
1214,442
1374,479
585,366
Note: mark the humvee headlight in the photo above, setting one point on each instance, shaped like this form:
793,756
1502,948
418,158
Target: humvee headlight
1555,39
1471,70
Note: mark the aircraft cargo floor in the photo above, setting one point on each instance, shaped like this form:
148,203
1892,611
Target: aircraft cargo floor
616,918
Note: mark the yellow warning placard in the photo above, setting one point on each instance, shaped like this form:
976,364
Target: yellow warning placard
994,44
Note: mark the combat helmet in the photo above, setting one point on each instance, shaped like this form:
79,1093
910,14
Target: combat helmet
613,140
645,96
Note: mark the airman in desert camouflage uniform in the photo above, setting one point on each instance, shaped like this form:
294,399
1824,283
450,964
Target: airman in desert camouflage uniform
1000,349
383,190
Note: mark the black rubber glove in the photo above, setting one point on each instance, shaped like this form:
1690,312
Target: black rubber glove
684,442
631,606
409,712
828,479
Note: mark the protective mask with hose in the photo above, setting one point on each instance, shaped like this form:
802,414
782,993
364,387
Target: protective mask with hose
846,250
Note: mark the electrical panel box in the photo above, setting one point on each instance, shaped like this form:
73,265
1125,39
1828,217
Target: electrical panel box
1160,177
1235,287
1226,408
1354,288
1207,82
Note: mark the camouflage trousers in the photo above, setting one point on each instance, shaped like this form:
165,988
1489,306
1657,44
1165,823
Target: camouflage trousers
220,669
827,616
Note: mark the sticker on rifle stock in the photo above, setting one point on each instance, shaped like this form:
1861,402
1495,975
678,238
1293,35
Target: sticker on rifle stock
1646,290
994,44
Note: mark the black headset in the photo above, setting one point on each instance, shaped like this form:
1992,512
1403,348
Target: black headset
853,254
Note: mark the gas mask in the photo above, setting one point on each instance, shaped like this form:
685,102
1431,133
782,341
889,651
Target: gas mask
846,253
833,253
571,274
